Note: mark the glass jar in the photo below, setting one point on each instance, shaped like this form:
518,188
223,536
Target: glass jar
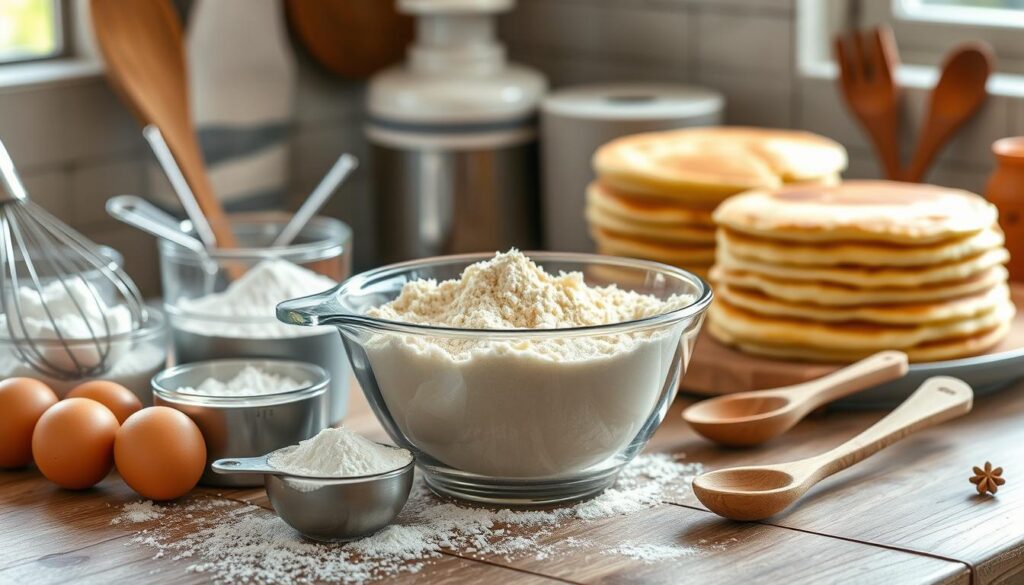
210,318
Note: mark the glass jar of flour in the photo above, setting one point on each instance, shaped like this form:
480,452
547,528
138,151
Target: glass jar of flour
223,306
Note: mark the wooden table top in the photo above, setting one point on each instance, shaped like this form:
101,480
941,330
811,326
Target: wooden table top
907,515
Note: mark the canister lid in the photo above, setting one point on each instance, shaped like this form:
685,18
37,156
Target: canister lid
633,101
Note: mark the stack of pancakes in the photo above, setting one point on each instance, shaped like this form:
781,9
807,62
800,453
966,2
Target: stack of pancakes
837,273
655,192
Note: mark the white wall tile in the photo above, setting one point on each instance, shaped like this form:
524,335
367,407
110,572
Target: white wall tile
49,189
564,70
95,182
863,165
46,125
751,43
588,28
323,97
752,101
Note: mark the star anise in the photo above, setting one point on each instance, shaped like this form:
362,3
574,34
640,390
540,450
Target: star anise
988,479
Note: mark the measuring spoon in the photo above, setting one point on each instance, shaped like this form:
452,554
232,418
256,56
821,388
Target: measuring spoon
757,492
746,419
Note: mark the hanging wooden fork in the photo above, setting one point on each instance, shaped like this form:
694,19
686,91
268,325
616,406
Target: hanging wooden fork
867,61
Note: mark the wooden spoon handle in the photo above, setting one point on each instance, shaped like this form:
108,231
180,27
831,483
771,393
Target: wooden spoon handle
870,371
938,399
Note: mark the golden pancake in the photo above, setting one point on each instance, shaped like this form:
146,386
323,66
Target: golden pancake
884,211
678,234
838,295
703,166
645,209
742,326
964,307
944,349
676,254
870,277
858,253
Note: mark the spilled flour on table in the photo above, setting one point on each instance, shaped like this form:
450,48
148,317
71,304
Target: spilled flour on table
246,544
135,512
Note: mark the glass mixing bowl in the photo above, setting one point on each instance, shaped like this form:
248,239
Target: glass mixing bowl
518,416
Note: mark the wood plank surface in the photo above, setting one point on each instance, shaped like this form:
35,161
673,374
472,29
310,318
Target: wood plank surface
906,515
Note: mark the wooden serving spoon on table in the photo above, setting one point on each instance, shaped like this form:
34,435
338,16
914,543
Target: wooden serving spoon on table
757,492
957,96
745,419
144,53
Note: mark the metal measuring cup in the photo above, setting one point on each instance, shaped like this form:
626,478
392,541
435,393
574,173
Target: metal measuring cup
329,509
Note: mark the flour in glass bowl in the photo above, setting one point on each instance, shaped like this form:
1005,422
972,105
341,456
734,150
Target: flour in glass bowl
529,406
252,302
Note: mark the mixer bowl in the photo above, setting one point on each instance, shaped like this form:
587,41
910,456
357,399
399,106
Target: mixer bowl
519,416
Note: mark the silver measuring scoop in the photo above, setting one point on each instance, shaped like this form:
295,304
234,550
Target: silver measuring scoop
329,509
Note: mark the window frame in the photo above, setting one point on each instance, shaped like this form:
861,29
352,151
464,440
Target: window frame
63,34
922,43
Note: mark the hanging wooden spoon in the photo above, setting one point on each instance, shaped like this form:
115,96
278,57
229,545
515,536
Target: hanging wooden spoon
745,419
957,96
142,46
757,492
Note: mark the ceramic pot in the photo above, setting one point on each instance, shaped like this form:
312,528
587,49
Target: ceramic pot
1006,190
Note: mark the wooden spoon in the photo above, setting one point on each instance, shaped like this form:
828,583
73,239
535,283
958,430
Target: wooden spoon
143,49
956,97
757,492
745,419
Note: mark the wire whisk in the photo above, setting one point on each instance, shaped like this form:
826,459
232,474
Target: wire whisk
66,306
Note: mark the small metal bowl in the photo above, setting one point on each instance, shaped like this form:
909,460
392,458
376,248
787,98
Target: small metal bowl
246,426
330,509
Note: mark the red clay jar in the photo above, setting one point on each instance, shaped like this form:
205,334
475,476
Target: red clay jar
1006,190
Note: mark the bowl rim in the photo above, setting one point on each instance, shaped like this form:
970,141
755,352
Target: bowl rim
319,381
699,304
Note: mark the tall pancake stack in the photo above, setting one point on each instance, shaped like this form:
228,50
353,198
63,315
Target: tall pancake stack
836,273
655,192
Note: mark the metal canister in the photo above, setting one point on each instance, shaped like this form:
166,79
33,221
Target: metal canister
246,426
454,138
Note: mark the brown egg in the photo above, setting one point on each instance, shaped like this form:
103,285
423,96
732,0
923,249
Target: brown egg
120,400
160,453
73,443
22,402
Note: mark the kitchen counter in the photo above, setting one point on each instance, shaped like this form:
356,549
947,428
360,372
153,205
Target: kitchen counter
907,515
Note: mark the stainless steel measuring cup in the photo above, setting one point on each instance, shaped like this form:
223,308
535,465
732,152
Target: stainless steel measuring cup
330,509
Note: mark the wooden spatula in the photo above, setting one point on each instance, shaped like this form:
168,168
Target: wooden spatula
142,45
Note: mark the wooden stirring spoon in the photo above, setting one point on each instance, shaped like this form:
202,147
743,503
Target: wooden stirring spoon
745,419
144,54
757,492
956,97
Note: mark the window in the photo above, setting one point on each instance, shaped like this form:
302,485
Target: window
926,30
30,30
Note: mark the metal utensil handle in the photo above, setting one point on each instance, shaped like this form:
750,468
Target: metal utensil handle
139,213
247,465
11,188
188,199
340,171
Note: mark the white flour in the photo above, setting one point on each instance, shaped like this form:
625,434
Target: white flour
250,545
76,308
250,381
524,407
252,301
339,453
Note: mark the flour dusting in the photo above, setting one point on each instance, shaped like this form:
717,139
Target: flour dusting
248,544
338,453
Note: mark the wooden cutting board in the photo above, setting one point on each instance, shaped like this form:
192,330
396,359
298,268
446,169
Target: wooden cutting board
351,38
717,369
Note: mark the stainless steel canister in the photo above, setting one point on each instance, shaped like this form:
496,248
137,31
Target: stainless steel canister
246,426
432,202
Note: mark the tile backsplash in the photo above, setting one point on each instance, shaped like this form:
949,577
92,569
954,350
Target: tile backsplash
77,145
